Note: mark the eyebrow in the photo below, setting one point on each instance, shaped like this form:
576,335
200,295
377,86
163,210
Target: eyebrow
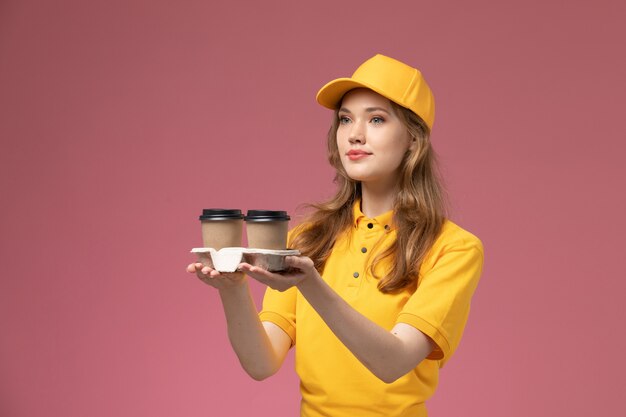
368,109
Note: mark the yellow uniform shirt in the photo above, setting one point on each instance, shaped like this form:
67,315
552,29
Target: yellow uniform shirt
333,382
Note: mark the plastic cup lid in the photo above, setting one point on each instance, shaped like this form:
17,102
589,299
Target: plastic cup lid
221,214
266,216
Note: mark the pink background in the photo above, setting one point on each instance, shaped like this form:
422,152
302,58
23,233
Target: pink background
121,120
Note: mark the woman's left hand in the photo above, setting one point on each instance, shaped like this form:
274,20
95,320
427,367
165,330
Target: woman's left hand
300,269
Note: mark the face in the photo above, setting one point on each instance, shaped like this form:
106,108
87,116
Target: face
371,138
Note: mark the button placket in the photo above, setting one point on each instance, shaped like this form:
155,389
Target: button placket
363,242
356,274
360,244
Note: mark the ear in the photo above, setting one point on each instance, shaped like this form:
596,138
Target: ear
412,143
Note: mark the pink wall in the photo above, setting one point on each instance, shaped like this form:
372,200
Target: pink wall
121,120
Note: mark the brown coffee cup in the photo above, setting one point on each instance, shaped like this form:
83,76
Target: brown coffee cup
267,229
222,228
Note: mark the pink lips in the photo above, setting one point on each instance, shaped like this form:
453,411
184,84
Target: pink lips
355,155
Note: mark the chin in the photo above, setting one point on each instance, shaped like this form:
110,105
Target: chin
361,173
355,176
359,178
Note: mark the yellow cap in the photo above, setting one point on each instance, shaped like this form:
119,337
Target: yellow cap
390,78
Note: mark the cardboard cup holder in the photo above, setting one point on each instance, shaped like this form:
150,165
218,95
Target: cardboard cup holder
227,259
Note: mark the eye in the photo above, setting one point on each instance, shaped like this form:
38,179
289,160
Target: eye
343,120
377,120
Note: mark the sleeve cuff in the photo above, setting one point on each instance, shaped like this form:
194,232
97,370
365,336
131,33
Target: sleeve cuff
442,348
281,322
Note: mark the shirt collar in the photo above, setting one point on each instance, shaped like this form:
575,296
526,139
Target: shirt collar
385,220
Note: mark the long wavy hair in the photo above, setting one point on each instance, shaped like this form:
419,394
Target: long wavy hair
418,214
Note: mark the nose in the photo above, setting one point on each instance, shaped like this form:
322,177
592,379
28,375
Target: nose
357,133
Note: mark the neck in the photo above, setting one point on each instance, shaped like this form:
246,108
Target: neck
377,198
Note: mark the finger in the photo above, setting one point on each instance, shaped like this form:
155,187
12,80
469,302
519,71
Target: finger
194,267
257,273
299,262
245,267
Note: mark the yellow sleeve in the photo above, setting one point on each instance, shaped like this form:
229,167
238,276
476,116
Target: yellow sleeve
440,306
280,307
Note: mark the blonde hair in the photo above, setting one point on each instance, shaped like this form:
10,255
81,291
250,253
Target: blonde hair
418,216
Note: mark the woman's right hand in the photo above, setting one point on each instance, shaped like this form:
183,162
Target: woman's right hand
216,279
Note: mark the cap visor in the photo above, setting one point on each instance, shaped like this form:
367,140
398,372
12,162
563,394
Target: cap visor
331,94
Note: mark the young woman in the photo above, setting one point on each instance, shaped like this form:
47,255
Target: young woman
378,301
